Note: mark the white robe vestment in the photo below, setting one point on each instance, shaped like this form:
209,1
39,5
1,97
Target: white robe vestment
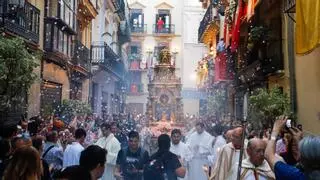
200,145
219,143
226,166
184,152
264,172
112,145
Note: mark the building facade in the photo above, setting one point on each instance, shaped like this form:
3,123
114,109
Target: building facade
65,68
193,97
84,45
268,49
24,19
245,41
303,67
156,25
109,58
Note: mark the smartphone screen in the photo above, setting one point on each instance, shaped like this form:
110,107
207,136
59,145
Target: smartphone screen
288,123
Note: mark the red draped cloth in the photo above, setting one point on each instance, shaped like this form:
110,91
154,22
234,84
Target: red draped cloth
236,29
220,68
134,88
134,65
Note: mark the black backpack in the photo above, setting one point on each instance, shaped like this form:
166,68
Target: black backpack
155,170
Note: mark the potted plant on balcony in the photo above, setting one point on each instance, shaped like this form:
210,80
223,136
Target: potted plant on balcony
257,35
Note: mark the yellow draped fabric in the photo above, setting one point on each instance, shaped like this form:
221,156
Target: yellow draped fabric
308,25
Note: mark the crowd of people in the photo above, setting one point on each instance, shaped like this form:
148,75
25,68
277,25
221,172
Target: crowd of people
220,151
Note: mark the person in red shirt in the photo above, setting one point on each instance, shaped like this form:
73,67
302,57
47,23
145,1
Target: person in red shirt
160,24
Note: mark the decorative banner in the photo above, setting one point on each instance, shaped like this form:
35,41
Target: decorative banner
220,67
308,26
236,29
252,4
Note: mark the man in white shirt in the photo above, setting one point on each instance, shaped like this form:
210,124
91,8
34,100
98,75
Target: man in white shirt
180,149
73,151
110,143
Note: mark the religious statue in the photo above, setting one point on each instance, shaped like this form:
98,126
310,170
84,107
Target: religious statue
164,116
172,117
165,56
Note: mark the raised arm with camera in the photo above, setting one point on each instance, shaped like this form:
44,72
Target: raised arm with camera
297,137
280,168
270,153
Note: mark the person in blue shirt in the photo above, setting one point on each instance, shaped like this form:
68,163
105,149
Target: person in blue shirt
309,148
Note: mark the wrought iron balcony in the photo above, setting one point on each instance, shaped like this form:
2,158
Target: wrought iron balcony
81,55
102,54
289,6
273,63
24,22
119,5
207,18
139,28
164,29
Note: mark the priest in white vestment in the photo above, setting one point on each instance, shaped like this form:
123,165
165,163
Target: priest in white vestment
146,136
226,166
255,167
217,144
112,145
200,143
181,150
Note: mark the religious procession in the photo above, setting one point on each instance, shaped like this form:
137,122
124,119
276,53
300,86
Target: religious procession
159,90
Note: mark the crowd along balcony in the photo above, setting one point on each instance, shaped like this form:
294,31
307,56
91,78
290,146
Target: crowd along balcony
24,22
139,28
165,29
81,55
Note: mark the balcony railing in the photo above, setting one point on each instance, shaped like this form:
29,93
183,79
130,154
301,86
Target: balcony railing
81,55
274,58
207,18
102,54
289,6
119,5
165,29
23,22
139,28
